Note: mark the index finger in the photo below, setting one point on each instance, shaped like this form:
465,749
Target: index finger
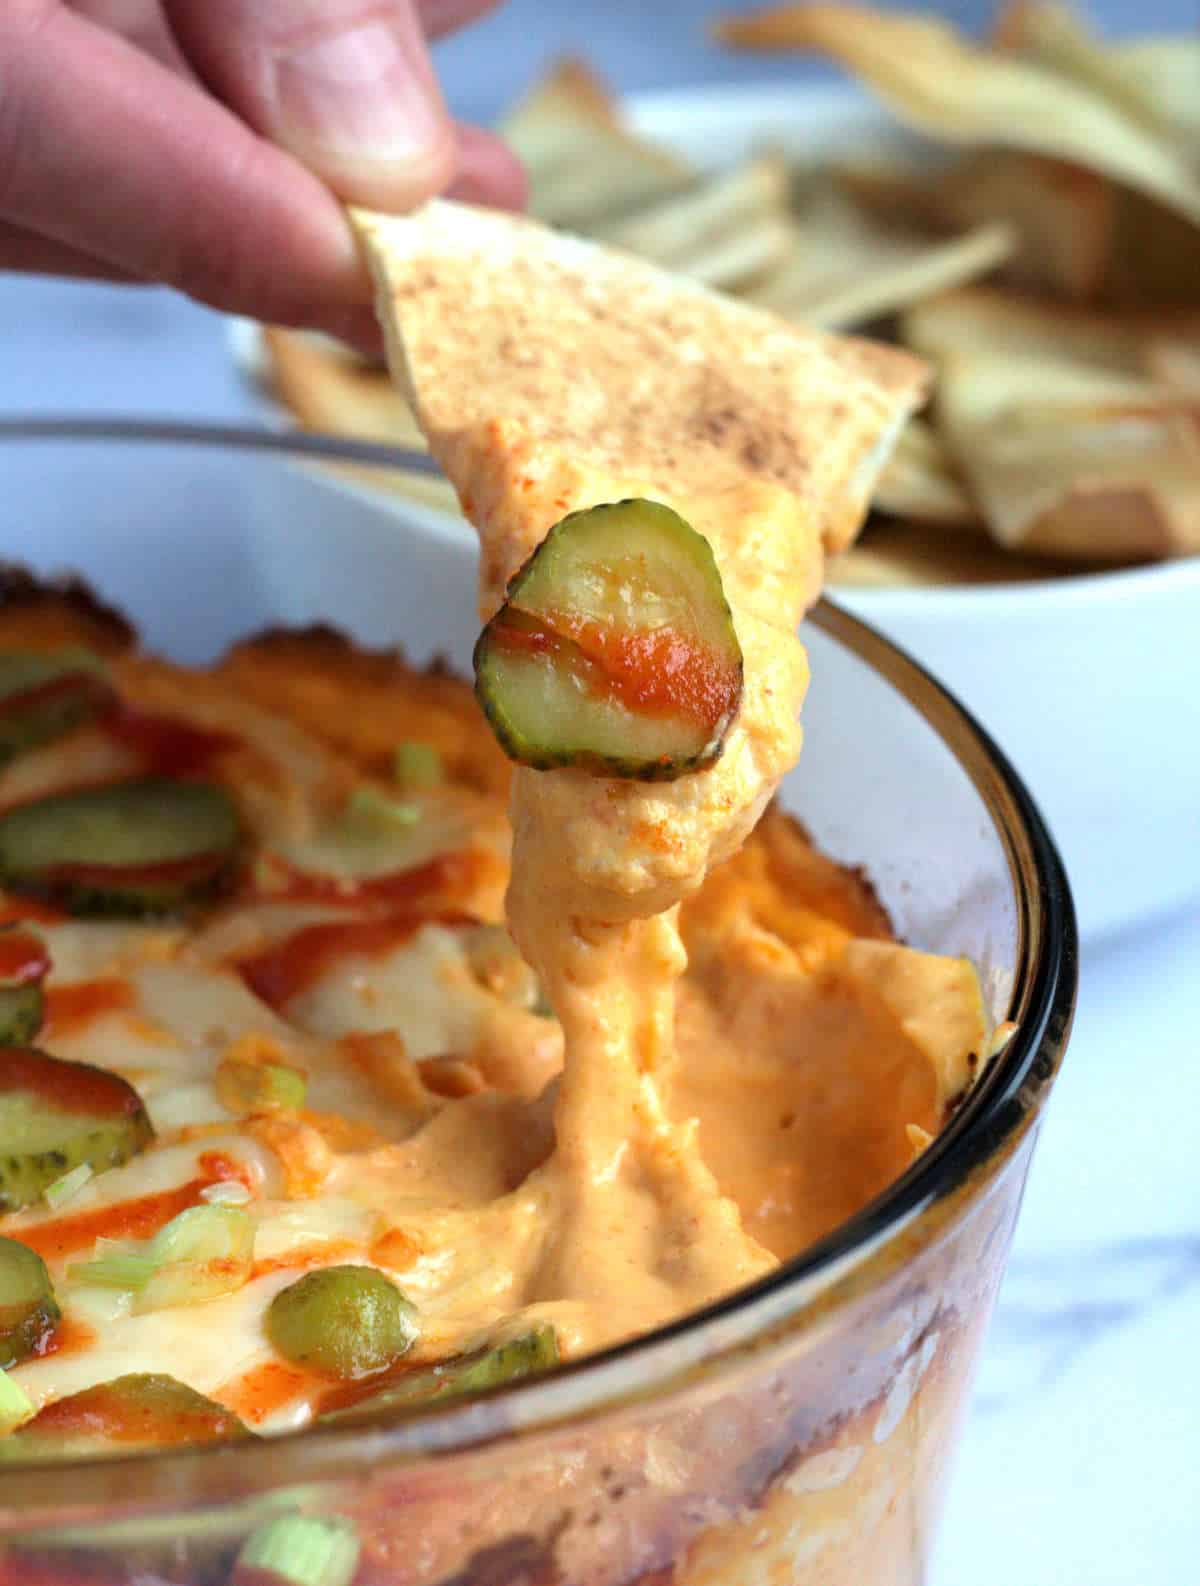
164,183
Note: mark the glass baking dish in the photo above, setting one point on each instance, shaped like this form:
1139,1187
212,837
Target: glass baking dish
798,1432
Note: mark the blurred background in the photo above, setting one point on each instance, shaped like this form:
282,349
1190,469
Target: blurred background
665,43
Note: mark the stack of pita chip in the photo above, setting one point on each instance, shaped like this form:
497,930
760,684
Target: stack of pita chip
791,241
1055,169
1069,395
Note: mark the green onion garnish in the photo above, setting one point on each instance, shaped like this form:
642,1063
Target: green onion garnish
260,1087
370,815
62,1190
416,764
15,1407
131,1271
203,1253
300,1550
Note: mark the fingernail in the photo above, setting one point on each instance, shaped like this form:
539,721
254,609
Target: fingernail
363,92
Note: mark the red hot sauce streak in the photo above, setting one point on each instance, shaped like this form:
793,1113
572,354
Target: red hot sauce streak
23,958
167,745
80,1001
652,672
291,966
140,1218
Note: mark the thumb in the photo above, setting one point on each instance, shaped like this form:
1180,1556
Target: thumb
346,86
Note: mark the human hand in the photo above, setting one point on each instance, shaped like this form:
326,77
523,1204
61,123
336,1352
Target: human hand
205,144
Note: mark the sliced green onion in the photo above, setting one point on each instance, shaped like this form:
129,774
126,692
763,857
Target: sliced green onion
15,1407
299,1550
130,1270
260,1087
417,764
62,1190
370,815
229,1192
203,1253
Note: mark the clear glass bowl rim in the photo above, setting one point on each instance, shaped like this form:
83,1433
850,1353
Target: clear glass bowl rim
1001,1107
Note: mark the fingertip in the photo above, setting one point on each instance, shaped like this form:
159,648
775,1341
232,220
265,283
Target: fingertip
347,89
488,171
359,328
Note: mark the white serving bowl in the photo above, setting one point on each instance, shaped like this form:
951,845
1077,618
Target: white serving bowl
1088,683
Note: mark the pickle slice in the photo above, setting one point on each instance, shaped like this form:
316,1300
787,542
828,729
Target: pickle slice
463,1375
55,1115
24,964
43,696
615,651
21,1009
142,1410
28,1309
131,849
345,1321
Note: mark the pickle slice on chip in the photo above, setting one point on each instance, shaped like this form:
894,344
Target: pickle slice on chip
615,651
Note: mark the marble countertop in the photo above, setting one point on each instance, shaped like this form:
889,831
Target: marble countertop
1080,1459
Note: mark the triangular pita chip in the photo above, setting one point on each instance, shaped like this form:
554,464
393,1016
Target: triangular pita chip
1167,73
921,482
1046,337
917,556
723,230
1063,217
846,268
582,161
550,373
1072,442
941,83
1155,82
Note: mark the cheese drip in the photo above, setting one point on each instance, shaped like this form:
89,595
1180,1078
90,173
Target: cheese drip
550,375
599,867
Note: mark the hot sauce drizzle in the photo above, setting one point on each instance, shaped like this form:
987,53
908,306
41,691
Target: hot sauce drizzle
168,746
139,1218
290,967
78,1003
23,958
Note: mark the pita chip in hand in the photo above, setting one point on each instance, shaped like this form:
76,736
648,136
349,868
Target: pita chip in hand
551,374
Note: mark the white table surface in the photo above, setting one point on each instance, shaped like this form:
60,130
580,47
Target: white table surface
1081,1460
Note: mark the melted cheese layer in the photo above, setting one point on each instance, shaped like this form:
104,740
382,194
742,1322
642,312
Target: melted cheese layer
680,1151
